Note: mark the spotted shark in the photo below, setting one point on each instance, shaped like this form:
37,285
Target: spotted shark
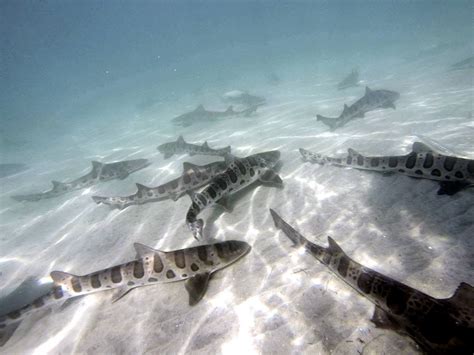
452,173
438,326
193,265
240,173
372,100
193,177
100,172
349,81
181,147
200,114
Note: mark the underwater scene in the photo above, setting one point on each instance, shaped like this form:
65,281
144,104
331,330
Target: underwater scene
236,177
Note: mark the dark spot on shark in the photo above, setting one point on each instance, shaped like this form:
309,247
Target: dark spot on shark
401,171
392,162
38,303
202,253
433,332
418,172
232,176
365,282
157,263
470,167
374,162
58,292
150,194
397,300
349,160
459,175
220,250
152,279
201,199
428,163
186,178
411,160
161,189
138,270
179,259
360,160
116,274
14,315
95,282
241,167
221,182
139,194
76,284
252,172
194,267
170,274
252,161
436,172
449,163
130,283
343,266
174,184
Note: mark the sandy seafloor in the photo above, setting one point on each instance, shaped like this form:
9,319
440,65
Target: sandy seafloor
276,299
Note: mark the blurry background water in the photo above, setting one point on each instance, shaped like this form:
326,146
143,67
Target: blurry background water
85,80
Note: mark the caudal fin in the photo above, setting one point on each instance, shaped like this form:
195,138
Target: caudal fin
289,231
328,121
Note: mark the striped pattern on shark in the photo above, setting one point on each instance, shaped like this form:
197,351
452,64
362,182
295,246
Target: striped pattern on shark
423,162
181,147
372,100
195,265
438,326
241,172
193,177
100,172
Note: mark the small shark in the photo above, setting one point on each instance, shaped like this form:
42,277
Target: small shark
181,147
200,114
100,172
241,172
349,81
193,177
11,169
438,326
422,162
195,265
372,100
243,98
467,63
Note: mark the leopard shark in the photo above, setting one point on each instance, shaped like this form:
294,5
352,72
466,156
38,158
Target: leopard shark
181,147
194,265
349,81
438,326
240,173
452,173
200,114
372,100
193,177
100,172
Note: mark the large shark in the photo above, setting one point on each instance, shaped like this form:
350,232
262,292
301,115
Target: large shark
467,63
372,100
195,265
100,172
181,147
422,162
438,326
193,177
200,114
349,81
241,172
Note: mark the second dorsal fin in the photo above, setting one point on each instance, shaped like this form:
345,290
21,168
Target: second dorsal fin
61,277
180,139
141,187
352,152
419,147
463,296
143,250
205,145
187,166
334,248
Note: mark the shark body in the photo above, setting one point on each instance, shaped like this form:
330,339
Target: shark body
422,162
372,100
195,265
193,177
349,81
438,326
200,114
182,147
243,98
100,172
240,173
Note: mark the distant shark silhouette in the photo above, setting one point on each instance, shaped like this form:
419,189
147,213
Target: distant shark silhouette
200,114
100,172
467,63
243,98
372,100
349,81
180,146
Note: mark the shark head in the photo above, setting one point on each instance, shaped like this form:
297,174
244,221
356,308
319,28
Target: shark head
270,158
230,251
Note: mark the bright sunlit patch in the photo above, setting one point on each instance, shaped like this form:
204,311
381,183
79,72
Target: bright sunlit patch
86,191
45,280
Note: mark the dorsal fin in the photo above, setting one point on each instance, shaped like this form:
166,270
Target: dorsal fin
205,145
419,147
57,184
229,158
230,109
187,166
352,152
197,286
333,247
180,139
463,296
200,108
345,108
96,165
143,250
141,187
367,90
61,277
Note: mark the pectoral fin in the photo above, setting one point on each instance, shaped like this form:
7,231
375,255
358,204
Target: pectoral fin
121,292
382,320
451,187
196,287
271,178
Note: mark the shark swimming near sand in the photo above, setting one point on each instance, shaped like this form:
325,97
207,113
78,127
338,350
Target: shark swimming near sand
180,146
193,178
452,173
349,81
100,172
200,114
372,100
194,265
438,326
241,172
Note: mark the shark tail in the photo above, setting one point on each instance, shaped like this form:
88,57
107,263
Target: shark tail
7,332
328,121
290,232
100,199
